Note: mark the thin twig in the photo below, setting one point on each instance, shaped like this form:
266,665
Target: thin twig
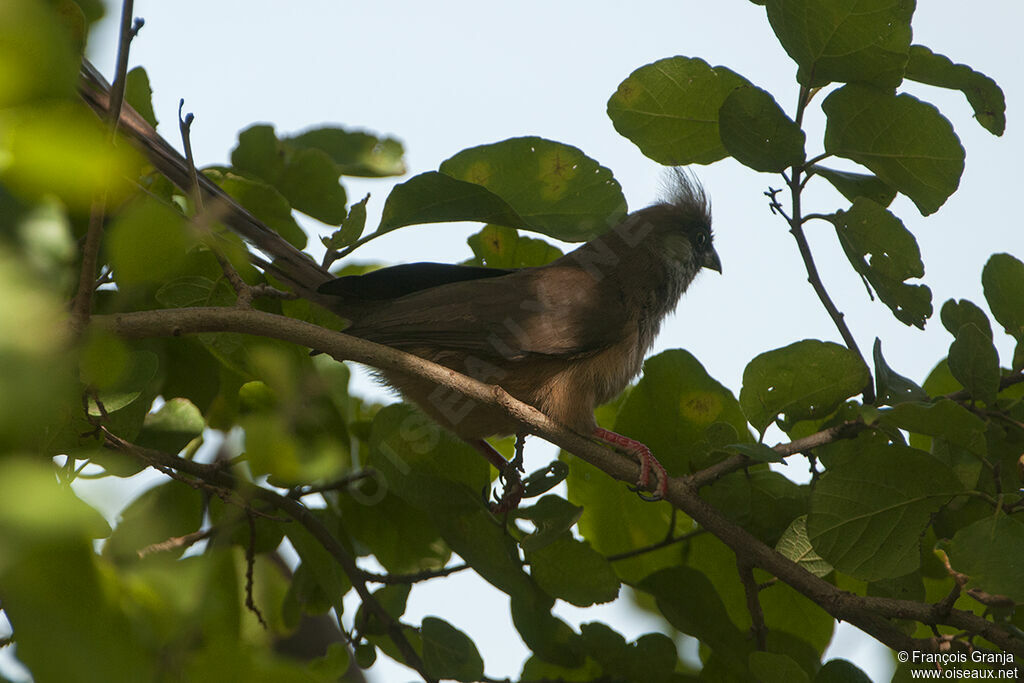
250,564
177,542
871,615
664,543
795,221
185,129
337,485
216,476
814,160
82,305
414,577
712,473
750,587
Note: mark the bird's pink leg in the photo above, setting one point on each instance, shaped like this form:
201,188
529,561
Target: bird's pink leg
508,473
642,453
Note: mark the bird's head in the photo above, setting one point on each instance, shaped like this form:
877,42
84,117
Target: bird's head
680,226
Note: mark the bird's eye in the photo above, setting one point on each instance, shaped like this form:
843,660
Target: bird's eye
701,240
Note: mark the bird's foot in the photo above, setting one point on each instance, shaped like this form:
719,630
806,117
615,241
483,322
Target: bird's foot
648,463
513,493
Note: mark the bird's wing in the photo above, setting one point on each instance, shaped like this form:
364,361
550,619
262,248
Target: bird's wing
408,278
554,310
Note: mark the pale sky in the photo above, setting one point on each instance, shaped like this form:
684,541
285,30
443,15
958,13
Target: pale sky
445,75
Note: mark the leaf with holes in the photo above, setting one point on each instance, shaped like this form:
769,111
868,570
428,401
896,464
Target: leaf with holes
983,94
805,380
882,250
557,189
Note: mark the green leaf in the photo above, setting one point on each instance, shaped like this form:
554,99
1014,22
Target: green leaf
556,188
853,185
763,502
141,368
59,592
552,516
758,452
426,466
956,314
904,141
974,362
263,200
796,546
840,671
944,418
690,603
797,626
171,427
670,410
166,511
547,636
669,109
805,380
31,73
757,133
258,152
393,599
398,535
890,386
306,177
1003,280
673,405
61,149
983,94
310,184
195,290
886,254
434,197
869,509
499,247
844,40
991,553
148,242
38,509
774,668
351,228
650,658
321,565
448,652
573,571
356,153
139,95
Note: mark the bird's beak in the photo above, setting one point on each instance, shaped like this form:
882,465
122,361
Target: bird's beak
712,261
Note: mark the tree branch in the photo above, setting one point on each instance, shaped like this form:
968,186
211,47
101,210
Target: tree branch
712,473
298,512
868,614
